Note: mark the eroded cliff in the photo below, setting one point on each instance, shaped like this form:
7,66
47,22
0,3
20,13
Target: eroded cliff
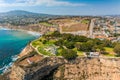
54,68
32,66
89,69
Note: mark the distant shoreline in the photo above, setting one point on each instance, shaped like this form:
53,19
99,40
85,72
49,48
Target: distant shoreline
34,33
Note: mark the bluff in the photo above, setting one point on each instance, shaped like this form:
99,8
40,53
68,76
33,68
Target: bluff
36,67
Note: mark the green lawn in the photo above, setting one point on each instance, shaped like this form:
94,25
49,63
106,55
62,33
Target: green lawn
80,53
59,50
109,50
50,42
42,51
36,43
46,24
110,55
85,21
40,46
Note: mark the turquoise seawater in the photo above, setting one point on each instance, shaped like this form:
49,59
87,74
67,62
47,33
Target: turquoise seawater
12,42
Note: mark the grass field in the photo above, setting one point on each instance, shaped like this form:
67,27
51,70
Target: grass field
109,50
80,53
85,21
36,43
42,51
110,55
40,46
46,24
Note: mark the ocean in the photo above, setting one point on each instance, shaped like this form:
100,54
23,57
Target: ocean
12,42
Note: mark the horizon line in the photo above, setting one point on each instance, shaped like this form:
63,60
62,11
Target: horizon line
63,14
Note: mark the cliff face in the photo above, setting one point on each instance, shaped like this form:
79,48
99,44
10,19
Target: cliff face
35,28
89,69
53,68
35,70
31,66
28,49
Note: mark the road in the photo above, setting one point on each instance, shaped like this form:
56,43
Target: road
91,28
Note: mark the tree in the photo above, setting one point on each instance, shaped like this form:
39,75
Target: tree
44,41
117,49
101,48
107,43
82,47
86,47
69,53
81,39
68,37
114,44
97,41
77,45
56,34
59,42
69,45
